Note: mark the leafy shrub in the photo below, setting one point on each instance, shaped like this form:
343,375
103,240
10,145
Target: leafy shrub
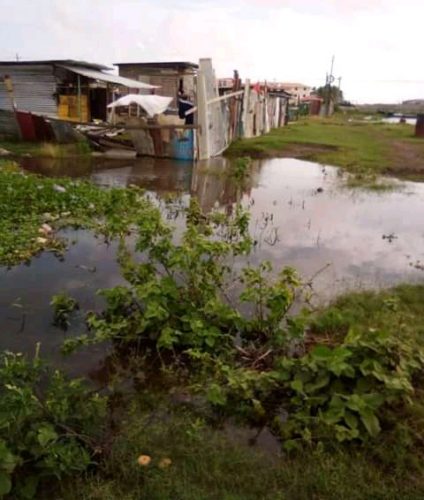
187,295
340,393
48,425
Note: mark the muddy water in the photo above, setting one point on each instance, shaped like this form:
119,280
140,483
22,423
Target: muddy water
302,215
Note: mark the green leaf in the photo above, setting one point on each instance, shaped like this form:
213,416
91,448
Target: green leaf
320,382
297,385
168,337
28,487
46,435
216,395
371,423
351,420
321,353
8,461
5,483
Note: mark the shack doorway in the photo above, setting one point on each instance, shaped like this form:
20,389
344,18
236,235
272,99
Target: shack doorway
98,104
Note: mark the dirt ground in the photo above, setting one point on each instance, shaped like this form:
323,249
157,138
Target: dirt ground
408,158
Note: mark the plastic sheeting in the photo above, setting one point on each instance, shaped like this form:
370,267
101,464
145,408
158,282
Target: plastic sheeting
152,104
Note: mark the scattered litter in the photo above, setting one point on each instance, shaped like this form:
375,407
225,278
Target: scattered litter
59,189
42,241
4,152
45,229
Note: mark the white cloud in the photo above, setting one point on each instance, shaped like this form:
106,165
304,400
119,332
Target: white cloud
376,42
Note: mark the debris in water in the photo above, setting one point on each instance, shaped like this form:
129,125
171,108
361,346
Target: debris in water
390,237
90,269
45,229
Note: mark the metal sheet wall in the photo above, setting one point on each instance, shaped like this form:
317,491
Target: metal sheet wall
9,128
34,87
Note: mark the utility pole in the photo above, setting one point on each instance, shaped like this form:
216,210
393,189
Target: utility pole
328,82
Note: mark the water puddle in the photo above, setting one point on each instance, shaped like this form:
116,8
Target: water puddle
302,216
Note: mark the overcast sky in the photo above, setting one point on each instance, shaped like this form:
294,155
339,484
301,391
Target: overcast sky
377,43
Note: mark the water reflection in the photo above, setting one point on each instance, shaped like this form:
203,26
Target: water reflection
301,216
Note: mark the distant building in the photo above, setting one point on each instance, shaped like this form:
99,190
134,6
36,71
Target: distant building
314,104
414,102
297,90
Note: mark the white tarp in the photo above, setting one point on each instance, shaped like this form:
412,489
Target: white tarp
152,104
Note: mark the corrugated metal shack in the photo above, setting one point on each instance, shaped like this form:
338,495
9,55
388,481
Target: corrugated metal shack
70,90
173,78
173,136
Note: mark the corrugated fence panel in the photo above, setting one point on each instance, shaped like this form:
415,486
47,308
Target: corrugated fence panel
9,127
34,87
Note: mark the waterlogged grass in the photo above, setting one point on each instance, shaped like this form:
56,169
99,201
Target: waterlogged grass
34,208
360,147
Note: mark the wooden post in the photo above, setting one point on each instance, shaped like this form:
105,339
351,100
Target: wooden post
79,97
419,127
9,87
245,115
202,116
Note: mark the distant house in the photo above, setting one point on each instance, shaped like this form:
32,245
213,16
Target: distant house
67,89
314,104
173,78
297,90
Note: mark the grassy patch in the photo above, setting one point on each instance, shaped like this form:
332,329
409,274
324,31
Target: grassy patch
389,310
207,464
360,147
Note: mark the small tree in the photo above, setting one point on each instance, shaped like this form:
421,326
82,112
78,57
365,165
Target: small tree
332,91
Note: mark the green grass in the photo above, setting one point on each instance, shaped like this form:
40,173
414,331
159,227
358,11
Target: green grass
361,148
209,464
391,309
46,149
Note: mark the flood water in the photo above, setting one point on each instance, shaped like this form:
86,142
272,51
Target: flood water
302,216
396,119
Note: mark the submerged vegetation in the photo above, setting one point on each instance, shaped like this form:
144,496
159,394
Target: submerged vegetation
35,208
363,148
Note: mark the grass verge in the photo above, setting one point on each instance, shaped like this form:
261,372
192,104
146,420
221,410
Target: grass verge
206,464
361,148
